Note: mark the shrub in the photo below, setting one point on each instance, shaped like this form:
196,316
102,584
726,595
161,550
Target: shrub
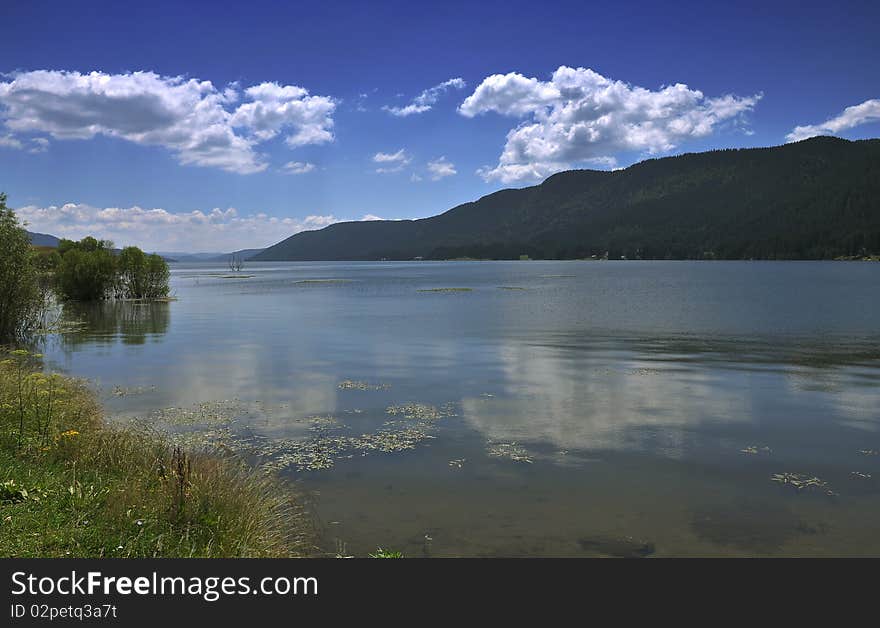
87,269
141,276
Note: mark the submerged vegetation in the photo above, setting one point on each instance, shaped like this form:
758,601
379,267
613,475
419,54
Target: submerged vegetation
356,385
72,485
325,440
509,451
801,482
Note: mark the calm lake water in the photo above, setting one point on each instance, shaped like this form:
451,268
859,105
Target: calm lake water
552,408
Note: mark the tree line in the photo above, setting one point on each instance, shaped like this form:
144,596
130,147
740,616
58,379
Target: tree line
87,270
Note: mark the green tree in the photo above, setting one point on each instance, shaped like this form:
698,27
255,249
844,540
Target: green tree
158,276
20,300
141,276
132,265
87,270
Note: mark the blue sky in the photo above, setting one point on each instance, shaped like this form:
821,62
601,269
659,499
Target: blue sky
190,153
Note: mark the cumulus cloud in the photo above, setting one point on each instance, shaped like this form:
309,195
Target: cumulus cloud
427,99
161,230
868,111
580,116
194,119
297,167
440,168
391,162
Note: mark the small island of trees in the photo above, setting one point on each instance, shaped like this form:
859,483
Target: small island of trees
87,270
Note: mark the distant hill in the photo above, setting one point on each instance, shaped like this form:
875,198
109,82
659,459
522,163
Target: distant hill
43,239
815,199
244,254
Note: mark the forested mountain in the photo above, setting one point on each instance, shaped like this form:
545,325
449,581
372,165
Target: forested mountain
43,239
815,199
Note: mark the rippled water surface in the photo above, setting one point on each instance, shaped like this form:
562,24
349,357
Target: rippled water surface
542,408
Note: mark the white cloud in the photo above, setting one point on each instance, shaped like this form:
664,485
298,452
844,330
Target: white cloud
34,145
8,141
160,230
39,145
391,162
297,167
868,111
440,168
275,107
428,98
192,118
580,116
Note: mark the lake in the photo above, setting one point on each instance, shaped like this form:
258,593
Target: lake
524,408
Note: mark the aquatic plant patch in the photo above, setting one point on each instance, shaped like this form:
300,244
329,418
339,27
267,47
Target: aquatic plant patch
802,482
355,385
213,424
205,413
421,411
446,290
127,391
509,451
754,450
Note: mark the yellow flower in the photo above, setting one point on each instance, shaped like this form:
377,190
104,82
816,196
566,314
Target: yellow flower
70,433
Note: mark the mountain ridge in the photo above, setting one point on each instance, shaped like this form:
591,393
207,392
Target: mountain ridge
814,199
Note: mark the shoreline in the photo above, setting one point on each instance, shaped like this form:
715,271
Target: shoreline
75,485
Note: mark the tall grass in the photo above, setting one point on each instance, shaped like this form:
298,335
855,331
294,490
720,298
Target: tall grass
73,485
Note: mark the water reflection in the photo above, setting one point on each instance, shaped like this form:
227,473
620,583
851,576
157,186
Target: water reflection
128,322
593,400
634,388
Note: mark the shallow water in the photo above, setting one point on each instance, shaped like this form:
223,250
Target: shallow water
582,408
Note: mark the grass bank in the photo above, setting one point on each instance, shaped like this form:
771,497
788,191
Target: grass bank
74,485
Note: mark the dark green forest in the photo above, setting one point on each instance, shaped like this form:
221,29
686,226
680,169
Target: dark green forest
815,199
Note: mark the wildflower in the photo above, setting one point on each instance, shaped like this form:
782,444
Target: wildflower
70,433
